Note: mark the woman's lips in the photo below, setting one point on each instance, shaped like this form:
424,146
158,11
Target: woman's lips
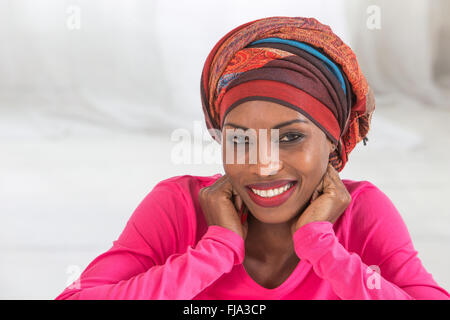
274,201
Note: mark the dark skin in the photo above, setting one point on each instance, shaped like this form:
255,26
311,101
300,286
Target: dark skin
320,195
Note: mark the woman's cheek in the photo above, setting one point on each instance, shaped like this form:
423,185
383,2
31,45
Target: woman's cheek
304,161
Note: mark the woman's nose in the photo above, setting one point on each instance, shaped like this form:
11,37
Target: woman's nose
272,168
268,162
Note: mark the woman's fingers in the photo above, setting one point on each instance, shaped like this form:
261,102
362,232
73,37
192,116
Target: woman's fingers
341,191
218,207
237,201
329,178
219,182
334,174
334,177
314,195
325,183
224,185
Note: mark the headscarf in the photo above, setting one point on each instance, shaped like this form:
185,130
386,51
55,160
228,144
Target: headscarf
299,63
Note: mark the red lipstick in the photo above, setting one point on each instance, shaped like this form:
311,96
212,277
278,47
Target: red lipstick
274,201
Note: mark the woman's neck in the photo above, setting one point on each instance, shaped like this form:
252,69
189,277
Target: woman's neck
269,242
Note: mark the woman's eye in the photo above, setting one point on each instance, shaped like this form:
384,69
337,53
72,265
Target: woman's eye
291,137
288,137
239,139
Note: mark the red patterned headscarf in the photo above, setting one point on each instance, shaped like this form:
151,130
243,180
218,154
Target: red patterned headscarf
333,94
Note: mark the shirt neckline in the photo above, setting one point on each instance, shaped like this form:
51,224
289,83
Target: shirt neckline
294,279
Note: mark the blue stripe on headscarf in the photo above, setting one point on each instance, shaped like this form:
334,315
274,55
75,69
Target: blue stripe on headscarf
301,45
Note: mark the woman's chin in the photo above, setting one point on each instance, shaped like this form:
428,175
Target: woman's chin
271,216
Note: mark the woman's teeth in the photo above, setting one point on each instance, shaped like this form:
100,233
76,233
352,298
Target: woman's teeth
272,192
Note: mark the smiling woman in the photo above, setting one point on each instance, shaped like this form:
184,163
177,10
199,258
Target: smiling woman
284,226
303,153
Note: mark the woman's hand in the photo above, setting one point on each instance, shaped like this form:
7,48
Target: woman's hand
219,202
328,202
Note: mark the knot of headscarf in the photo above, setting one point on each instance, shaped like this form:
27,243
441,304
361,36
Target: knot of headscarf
296,62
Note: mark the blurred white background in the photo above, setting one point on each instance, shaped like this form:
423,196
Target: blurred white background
91,90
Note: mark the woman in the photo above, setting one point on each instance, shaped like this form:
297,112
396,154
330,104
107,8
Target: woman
285,226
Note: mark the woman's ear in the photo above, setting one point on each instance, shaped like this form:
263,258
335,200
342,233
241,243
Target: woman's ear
332,147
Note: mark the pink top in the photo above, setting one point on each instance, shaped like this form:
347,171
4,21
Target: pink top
167,251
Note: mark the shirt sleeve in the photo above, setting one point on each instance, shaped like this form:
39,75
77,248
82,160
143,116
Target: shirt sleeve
150,259
381,263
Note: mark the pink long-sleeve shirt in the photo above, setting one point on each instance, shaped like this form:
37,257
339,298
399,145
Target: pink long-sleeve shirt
167,251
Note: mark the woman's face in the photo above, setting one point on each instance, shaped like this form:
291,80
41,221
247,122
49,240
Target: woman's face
303,153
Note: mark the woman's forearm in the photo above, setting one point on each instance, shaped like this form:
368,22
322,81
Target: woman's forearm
349,277
182,276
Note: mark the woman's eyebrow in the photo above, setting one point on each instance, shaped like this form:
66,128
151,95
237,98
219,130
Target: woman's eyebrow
283,124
